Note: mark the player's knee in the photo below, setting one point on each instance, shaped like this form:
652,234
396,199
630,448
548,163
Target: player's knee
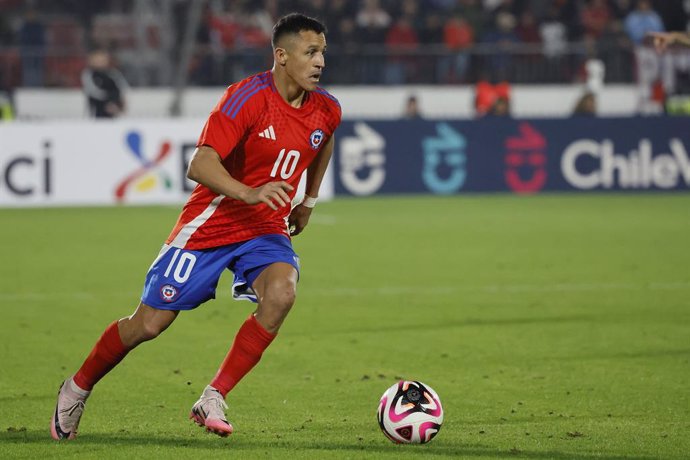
280,297
150,330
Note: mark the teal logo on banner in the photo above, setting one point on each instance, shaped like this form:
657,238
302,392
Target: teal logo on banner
443,170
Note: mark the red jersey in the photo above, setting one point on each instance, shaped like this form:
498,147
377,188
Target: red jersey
261,139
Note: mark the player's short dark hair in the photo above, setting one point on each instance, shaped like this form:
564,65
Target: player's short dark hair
294,23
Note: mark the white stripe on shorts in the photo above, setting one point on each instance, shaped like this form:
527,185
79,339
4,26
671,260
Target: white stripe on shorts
164,249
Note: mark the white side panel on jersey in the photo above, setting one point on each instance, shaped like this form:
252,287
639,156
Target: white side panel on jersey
188,230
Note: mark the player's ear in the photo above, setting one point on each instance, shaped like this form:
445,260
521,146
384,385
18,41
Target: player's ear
280,56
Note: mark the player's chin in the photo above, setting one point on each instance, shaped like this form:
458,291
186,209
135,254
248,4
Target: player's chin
310,83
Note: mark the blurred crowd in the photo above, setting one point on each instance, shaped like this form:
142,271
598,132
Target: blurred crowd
46,42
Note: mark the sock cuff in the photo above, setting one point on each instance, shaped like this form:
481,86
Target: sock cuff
112,339
259,329
77,389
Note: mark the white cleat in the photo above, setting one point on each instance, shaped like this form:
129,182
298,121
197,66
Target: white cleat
68,410
209,412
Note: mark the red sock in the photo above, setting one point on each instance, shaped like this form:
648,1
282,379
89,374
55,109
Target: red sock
108,351
250,342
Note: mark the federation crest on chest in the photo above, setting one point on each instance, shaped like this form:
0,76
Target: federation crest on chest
315,139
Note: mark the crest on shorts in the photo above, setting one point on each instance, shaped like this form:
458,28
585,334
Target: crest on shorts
316,138
168,293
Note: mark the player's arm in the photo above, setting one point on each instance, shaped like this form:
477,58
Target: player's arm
207,169
663,40
299,217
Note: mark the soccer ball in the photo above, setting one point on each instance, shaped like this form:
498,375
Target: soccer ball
410,412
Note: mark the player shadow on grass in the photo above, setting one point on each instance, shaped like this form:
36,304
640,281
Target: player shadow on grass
23,436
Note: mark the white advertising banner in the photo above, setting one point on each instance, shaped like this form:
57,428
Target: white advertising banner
100,162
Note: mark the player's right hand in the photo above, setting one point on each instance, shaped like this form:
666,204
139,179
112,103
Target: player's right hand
274,194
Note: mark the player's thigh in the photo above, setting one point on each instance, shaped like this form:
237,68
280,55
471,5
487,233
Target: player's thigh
258,255
182,279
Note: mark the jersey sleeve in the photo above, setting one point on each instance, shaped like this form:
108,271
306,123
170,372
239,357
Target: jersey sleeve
332,106
336,112
226,127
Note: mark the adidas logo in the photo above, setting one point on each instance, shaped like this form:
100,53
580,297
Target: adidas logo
268,133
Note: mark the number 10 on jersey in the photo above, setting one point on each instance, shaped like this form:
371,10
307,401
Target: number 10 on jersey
289,163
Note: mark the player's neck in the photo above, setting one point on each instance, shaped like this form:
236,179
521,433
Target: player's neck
290,91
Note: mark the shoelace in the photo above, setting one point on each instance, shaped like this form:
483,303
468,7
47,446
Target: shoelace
220,404
77,407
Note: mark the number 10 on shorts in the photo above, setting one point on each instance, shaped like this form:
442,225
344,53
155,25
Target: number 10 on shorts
182,267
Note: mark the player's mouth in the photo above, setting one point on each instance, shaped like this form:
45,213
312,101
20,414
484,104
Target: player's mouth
315,77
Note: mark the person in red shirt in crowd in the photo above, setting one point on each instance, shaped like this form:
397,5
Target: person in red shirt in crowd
595,16
458,37
400,38
263,134
487,95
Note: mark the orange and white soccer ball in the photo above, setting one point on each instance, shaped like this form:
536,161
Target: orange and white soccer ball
410,412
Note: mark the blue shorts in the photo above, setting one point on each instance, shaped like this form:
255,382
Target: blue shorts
182,279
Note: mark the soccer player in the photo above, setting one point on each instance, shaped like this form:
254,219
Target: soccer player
263,134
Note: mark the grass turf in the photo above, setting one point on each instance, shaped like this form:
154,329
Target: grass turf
555,326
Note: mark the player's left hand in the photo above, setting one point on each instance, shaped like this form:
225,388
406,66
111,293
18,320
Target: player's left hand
299,217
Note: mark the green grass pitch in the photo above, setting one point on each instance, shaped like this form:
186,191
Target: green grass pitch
554,326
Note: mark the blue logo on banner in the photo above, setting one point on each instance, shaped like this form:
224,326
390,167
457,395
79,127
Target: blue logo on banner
444,160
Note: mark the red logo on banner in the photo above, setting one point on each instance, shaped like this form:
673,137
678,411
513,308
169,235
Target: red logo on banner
526,160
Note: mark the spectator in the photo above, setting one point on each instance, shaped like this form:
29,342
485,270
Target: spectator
431,35
458,37
401,37
410,9
500,108
638,24
32,42
372,23
586,105
642,21
337,11
431,32
554,34
614,49
594,16
503,37
620,8
314,8
527,30
104,86
346,38
472,12
373,16
412,109
554,37
487,94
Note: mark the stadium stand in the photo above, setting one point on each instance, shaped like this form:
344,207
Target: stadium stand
44,43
